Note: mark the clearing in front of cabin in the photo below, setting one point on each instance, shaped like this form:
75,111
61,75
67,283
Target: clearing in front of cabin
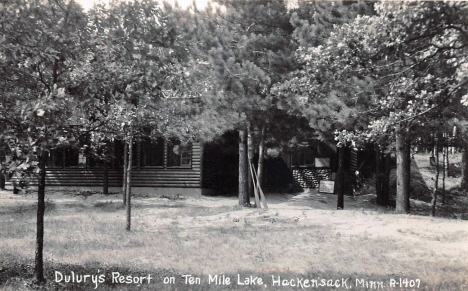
210,243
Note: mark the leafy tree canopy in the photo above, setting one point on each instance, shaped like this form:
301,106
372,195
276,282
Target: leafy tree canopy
397,67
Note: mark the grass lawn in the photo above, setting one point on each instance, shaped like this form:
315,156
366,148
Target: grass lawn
300,237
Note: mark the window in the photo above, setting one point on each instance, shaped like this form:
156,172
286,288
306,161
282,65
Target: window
64,158
55,159
152,153
303,157
82,160
118,161
323,154
179,155
314,154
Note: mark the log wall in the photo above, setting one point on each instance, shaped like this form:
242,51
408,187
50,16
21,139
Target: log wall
176,177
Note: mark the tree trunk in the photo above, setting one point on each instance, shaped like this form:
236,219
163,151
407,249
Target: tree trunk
244,198
250,155
408,168
39,262
261,156
402,195
15,187
129,184
124,186
2,181
436,183
464,181
2,176
378,175
340,179
105,183
386,180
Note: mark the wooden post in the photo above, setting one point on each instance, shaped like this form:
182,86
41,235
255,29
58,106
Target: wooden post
250,154
261,156
444,155
260,191
255,185
447,163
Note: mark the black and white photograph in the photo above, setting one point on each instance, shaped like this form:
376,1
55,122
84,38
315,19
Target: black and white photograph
233,145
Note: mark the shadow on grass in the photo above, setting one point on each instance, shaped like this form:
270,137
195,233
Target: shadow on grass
26,209
456,205
418,188
16,276
109,206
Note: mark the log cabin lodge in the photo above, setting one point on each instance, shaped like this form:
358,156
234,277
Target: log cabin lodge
167,167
